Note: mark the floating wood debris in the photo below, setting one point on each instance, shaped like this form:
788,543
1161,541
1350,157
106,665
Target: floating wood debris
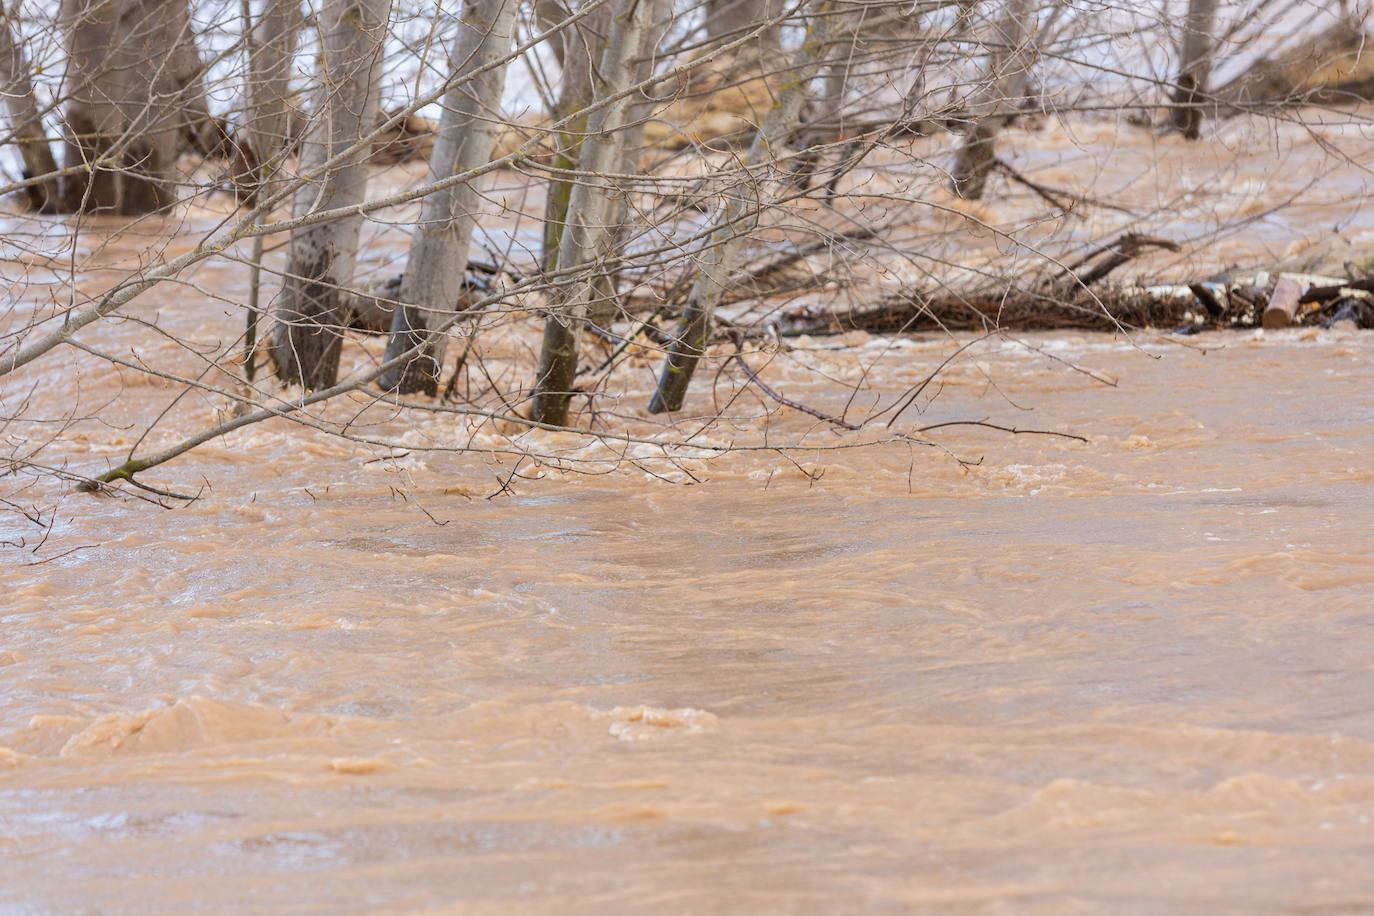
1283,304
1072,302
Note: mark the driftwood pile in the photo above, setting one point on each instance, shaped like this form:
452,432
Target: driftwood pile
1077,299
1114,308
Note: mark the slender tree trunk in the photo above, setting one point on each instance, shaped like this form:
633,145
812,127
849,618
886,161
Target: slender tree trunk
719,260
582,45
1194,67
309,318
826,126
1013,52
272,51
606,303
26,125
135,94
438,259
585,240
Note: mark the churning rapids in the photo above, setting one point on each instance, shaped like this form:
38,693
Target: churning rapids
1127,674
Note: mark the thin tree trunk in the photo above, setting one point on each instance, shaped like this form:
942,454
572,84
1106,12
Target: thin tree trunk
606,303
26,125
826,126
438,258
135,93
1194,67
582,45
271,52
721,256
1013,53
307,333
585,240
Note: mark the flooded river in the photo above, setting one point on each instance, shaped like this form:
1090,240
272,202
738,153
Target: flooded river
1005,673
1131,674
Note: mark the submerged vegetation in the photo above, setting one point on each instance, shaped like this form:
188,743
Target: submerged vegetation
598,193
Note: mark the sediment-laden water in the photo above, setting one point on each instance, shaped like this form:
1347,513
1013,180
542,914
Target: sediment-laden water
1131,673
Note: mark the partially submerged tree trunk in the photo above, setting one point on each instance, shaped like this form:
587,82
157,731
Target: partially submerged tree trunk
309,316
1012,53
26,124
271,53
135,95
721,256
1194,68
438,259
585,239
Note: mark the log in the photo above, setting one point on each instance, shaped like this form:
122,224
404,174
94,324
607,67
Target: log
1283,304
1329,292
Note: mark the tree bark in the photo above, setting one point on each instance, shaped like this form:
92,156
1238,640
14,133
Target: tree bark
722,254
309,316
1195,67
582,45
584,244
135,95
1012,54
438,258
271,54
826,126
26,124
1282,305
606,304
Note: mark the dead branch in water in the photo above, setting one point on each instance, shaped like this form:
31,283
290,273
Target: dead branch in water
1056,197
1006,429
788,402
1113,255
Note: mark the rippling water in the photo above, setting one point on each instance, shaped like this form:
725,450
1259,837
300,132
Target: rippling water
1132,673
1127,674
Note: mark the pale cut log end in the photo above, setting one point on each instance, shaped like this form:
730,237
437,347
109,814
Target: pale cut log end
1283,304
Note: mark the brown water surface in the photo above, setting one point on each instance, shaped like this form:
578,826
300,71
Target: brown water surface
1131,674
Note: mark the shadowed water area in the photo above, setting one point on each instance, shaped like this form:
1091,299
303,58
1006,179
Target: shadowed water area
1126,674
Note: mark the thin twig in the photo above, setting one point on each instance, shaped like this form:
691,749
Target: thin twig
62,554
788,402
1006,429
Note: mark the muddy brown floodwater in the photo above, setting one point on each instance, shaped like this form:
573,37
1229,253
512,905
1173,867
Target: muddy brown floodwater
1127,675
1132,674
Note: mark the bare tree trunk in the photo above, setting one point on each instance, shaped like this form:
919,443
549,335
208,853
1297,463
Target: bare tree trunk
135,95
826,126
582,45
438,259
605,305
26,124
272,51
719,260
307,333
1194,67
585,240
1012,54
